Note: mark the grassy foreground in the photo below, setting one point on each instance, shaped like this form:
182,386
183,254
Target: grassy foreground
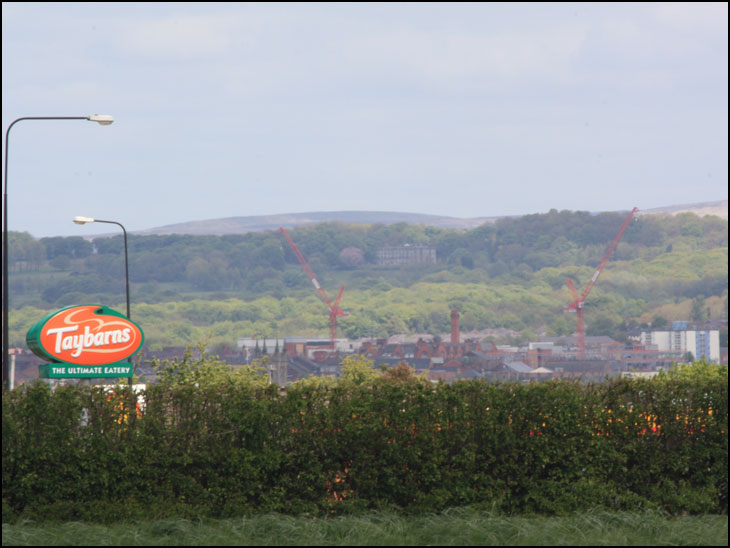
458,527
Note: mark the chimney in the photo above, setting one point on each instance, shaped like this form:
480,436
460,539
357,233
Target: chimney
455,327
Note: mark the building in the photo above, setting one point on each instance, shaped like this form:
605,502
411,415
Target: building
701,343
406,254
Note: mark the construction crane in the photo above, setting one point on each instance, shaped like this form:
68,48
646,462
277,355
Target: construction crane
578,301
334,308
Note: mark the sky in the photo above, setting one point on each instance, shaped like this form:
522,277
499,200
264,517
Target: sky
464,110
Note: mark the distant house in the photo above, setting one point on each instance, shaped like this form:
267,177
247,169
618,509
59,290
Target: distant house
518,367
406,254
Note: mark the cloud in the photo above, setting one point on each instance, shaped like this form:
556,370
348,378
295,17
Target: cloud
184,37
445,54
692,16
666,33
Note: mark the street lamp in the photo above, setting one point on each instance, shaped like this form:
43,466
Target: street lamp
101,119
82,221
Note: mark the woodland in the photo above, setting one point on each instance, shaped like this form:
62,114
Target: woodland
510,275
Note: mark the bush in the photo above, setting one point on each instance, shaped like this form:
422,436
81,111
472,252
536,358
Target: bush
228,449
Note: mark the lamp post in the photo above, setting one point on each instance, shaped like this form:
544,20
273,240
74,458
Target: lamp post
83,221
101,119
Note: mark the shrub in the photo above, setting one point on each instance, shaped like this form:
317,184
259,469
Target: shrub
227,449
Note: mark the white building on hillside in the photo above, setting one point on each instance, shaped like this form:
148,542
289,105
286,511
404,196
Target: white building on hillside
700,343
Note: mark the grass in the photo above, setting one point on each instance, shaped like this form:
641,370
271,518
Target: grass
458,527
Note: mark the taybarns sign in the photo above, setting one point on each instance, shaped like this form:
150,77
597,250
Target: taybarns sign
66,371
88,340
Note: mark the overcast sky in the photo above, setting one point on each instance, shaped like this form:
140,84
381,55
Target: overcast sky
465,110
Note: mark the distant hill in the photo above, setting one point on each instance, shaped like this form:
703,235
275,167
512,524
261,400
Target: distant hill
258,223
719,209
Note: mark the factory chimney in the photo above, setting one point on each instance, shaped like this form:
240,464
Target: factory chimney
455,327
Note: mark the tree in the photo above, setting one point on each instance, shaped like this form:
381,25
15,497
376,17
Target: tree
209,370
695,370
60,262
560,326
24,251
657,322
602,325
352,257
698,308
402,372
72,246
357,369
208,274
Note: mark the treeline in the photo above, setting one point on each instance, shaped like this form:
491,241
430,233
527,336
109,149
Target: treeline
511,274
256,262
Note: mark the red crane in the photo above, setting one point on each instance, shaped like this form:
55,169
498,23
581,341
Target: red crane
335,309
578,302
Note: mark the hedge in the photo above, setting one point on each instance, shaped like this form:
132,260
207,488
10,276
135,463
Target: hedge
82,453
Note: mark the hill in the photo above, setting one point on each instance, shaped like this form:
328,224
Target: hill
260,223
718,209
510,274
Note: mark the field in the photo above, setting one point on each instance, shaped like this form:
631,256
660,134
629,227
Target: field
458,527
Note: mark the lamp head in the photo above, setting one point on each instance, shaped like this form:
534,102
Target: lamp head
83,220
102,119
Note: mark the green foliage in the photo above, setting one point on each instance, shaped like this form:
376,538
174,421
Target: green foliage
512,274
73,247
227,449
313,383
25,253
358,370
208,371
698,309
699,370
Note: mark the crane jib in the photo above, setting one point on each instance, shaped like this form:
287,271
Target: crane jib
334,308
578,303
